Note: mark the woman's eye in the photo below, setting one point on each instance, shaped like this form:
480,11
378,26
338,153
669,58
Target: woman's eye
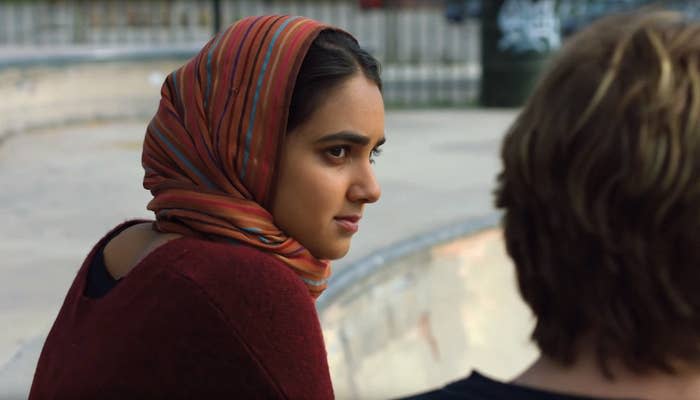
337,152
375,153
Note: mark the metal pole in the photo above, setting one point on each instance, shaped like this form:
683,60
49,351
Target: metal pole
216,6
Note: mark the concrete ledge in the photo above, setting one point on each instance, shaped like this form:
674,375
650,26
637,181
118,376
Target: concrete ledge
424,312
364,268
41,96
28,57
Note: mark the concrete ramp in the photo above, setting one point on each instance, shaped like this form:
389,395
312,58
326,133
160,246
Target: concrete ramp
421,319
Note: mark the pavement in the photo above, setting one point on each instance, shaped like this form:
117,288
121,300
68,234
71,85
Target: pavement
63,188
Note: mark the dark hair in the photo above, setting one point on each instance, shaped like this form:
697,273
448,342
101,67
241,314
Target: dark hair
333,57
600,189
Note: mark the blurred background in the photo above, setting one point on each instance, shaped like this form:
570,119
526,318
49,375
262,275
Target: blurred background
426,293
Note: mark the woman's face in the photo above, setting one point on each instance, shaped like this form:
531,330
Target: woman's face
326,176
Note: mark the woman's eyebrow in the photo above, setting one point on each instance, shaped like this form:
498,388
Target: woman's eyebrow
348,136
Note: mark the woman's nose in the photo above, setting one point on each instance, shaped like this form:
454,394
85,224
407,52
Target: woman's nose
365,187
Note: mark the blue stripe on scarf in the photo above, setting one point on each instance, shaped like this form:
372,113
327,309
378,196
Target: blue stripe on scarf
209,55
182,157
261,76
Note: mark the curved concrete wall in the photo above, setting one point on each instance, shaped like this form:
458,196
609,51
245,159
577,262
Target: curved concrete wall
39,96
427,318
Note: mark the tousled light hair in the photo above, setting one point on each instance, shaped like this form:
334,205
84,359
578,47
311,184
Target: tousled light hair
600,190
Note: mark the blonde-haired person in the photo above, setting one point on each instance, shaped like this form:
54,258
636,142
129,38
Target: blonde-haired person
259,161
600,190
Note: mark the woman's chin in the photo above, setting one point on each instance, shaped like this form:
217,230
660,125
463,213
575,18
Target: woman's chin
331,253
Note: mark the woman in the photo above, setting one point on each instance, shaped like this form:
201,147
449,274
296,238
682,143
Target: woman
259,162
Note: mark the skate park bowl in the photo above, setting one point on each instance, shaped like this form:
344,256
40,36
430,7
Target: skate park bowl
425,312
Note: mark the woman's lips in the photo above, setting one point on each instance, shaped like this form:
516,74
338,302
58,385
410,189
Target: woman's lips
349,223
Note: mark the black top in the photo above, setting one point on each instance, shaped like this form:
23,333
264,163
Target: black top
99,280
479,387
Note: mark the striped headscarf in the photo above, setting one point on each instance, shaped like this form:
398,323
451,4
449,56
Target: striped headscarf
212,148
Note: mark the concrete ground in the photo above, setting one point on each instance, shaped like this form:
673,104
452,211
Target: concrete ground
63,188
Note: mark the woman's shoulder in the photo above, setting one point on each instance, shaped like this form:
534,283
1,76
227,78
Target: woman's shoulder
265,303
251,288
246,295
232,269
228,273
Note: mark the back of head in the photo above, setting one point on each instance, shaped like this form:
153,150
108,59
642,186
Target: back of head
600,190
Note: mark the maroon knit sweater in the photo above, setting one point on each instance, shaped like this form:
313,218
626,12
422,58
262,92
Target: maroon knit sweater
194,319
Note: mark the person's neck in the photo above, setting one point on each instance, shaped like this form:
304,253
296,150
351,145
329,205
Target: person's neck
584,378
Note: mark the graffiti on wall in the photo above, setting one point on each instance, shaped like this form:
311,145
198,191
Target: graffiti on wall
527,25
